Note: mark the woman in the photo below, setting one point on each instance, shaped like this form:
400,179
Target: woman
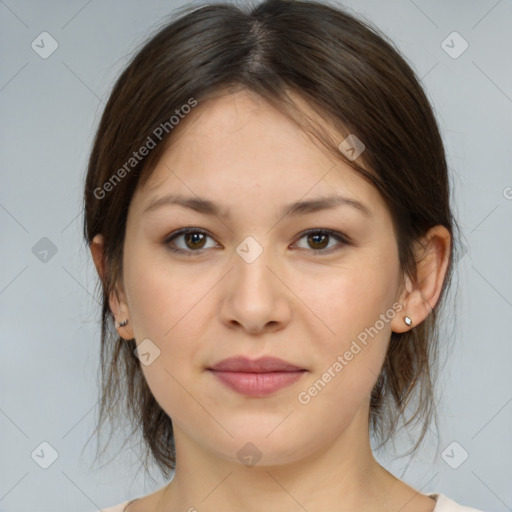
267,206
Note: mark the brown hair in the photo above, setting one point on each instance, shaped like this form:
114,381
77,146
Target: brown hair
350,74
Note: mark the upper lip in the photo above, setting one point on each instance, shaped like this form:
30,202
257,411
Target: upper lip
261,365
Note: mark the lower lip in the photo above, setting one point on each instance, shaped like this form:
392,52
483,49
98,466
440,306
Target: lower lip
257,384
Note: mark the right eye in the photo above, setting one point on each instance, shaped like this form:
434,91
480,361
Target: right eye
193,239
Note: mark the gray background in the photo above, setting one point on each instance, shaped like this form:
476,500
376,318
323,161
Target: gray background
49,315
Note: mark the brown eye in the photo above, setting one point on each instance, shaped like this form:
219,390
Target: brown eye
318,240
194,240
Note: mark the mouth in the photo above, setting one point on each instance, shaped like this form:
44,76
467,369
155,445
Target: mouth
259,377
261,365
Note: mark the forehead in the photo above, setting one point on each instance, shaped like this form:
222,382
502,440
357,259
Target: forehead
237,145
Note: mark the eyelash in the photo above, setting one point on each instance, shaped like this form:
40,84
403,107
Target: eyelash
339,236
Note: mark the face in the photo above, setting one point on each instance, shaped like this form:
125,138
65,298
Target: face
252,280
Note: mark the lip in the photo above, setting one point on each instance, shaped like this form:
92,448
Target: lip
261,365
258,377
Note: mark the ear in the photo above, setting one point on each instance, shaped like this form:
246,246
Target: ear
117,300
418,299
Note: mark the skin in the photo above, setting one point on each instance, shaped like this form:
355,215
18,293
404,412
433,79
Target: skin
292,302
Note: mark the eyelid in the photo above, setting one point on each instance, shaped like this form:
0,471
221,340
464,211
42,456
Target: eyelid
183,231
341,237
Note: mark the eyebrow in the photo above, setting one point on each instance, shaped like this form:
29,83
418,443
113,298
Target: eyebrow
208,207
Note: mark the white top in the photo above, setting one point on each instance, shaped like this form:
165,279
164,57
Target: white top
444,504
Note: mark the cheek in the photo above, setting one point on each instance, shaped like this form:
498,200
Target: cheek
164,305
351,300
161,297
356,306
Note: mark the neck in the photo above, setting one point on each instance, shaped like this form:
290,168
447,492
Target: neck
341,475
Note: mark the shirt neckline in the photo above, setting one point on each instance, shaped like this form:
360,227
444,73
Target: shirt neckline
434,496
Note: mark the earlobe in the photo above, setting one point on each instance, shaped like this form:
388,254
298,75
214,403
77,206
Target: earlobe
119,308
404,319
420,298
117,301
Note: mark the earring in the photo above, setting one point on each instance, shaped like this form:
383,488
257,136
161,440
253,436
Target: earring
123,323
407,320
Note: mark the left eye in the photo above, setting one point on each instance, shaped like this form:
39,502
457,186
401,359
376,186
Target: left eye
319,238
194,240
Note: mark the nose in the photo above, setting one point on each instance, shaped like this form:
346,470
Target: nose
255,296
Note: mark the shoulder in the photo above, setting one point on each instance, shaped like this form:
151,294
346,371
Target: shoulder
117,508
445,504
